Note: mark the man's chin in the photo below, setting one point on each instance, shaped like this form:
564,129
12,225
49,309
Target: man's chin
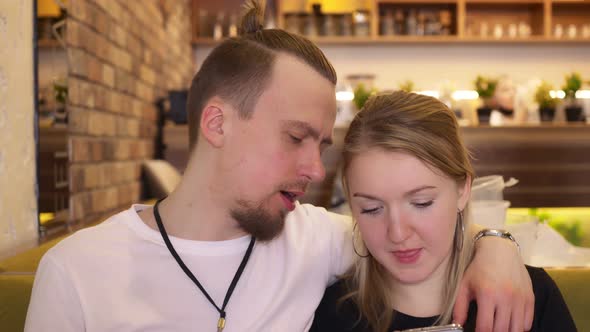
260,223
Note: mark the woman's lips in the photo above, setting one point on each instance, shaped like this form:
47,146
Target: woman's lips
407,256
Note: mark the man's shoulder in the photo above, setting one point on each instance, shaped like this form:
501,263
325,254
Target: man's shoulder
95,238
314,214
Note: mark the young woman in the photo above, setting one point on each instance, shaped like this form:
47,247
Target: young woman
412,237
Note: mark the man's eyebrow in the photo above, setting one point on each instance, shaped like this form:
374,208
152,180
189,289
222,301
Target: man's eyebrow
307,130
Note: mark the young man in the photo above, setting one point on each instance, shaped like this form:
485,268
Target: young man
231,248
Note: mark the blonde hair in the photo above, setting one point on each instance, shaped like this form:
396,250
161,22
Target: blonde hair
426,129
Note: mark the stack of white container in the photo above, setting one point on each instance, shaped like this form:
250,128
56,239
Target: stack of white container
540,244
488,206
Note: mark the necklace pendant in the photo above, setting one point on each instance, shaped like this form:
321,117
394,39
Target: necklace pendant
220,324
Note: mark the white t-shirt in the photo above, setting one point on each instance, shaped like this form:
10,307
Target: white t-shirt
119,276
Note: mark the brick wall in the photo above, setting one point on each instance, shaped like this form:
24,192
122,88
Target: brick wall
123,56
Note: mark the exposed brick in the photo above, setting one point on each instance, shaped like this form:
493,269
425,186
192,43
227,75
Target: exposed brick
76,178
73,35
123,81
137,107
147,74
80,205
79,149
108,75
149,112
95,150
89,40
94,69
78,9
118,35
92,176
147,129
102,22
122,59
100,93
102,48
134,46
77,120
79,62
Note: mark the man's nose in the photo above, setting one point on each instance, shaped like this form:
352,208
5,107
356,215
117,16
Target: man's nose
314,168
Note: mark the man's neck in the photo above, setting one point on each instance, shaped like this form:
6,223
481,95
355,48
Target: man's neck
195,211
422,299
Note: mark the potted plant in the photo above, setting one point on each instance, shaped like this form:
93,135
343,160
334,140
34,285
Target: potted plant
485,87
407,86
546,102
573,111
60,93
361,95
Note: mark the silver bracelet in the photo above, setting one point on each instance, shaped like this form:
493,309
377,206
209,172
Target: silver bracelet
495,232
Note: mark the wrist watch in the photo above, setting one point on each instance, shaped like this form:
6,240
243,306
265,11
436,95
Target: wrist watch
495,232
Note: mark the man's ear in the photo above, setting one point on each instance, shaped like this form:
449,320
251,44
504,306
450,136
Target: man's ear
211,125
464,193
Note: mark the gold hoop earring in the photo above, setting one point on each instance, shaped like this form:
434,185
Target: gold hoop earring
459,235
354,246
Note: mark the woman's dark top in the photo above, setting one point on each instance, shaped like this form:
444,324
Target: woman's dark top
551,312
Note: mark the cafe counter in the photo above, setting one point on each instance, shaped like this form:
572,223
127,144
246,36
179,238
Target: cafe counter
551,162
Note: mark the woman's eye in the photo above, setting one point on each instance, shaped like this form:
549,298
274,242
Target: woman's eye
370,211
422,205
295,139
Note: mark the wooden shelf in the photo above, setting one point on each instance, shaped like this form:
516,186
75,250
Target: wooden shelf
418,2
505,2
384,40
540,15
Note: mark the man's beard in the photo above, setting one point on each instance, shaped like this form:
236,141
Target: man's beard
254,219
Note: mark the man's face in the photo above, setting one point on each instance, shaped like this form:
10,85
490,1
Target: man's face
271,158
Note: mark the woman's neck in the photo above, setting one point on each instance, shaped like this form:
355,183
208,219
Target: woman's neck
422,299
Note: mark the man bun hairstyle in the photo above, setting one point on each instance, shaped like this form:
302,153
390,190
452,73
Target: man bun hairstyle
253,19
240,68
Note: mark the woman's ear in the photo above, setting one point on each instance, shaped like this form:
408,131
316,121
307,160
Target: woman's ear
211,125
464,193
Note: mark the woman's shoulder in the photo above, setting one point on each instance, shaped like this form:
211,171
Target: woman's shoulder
551,311
336,312
543,284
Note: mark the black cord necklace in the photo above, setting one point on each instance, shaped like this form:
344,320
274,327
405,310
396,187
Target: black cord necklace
232,286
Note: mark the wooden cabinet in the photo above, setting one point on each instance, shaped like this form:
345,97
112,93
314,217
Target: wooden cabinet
53,176
462,21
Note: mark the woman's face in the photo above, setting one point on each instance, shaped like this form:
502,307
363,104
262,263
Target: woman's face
405,211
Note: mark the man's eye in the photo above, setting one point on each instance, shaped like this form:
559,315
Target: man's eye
370,211
423,205
295,139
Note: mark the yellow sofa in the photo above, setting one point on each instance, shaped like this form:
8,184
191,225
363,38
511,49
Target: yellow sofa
17,276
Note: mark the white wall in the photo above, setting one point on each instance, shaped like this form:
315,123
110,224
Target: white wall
18,203
429,65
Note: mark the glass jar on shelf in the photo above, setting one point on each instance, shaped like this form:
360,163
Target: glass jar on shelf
444,17
362,26
398,27
387,23
411,23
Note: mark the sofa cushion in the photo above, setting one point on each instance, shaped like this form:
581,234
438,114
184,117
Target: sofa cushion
573,284
15,293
